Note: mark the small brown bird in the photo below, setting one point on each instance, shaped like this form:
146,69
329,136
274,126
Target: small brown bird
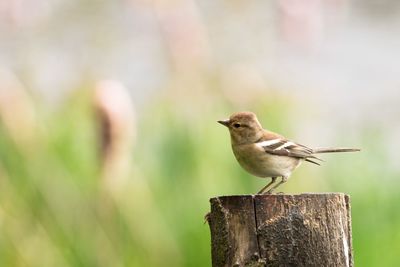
267,154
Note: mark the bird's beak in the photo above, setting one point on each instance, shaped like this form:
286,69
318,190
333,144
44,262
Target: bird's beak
225,122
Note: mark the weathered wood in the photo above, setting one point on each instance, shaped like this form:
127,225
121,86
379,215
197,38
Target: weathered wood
233,222
281,230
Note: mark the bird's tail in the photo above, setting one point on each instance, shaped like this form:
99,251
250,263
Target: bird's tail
334,150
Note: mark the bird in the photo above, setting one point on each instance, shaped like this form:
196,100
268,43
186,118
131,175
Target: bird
265,154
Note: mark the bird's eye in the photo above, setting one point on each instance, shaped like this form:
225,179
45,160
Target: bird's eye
236,125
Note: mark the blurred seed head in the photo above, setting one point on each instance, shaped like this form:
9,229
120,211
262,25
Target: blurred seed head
115,117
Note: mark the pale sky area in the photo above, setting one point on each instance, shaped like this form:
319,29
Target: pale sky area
343,55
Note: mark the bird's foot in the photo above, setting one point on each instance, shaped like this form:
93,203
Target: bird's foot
265,193
271,190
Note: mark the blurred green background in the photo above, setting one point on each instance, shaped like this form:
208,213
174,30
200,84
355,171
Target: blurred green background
109,146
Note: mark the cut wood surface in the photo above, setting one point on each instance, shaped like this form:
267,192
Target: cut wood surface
281,230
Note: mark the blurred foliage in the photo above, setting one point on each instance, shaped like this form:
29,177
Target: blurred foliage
55,210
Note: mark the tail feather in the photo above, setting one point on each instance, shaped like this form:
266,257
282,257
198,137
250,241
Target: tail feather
334,150
309,160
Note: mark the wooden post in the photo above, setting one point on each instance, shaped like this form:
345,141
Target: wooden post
281,230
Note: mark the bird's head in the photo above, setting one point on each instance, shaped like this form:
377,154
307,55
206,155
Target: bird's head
243,127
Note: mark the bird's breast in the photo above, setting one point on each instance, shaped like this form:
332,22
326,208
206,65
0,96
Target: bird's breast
262,164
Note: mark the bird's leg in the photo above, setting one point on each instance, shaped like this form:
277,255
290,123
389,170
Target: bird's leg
267,186
284,180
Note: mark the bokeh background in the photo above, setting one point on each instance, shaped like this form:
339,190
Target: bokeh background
109,146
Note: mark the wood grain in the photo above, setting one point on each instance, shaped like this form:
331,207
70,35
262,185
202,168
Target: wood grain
281,230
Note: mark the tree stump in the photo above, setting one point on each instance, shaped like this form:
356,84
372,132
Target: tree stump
281,230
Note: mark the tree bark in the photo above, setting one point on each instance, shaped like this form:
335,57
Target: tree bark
281,230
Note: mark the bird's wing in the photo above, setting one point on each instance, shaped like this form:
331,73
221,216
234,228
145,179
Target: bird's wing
284,147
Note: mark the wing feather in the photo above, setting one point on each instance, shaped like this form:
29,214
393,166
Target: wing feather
283,147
